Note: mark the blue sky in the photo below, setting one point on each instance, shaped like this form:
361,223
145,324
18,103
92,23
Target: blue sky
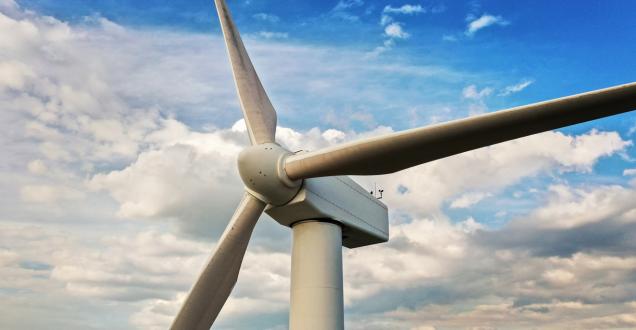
567,48
121,127
578,39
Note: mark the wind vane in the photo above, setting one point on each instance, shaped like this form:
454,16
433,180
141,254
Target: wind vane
377,193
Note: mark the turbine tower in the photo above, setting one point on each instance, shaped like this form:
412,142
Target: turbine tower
310,192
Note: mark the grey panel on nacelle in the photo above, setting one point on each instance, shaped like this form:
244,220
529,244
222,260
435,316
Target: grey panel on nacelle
364,218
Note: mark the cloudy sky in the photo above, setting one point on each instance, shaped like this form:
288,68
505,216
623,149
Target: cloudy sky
120,127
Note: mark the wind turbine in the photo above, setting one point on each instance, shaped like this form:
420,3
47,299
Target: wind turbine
326,210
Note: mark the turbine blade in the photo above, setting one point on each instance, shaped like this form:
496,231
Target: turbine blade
259,114
401,150
212,288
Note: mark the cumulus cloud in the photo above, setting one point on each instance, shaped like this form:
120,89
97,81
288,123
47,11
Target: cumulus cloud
178,180
523,270
578,207
598,218
394,30
85,106
468,199
486,20
14,75
149,272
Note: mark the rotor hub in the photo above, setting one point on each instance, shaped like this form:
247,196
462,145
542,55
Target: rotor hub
262,169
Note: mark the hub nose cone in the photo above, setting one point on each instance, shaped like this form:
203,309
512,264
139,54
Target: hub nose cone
262,170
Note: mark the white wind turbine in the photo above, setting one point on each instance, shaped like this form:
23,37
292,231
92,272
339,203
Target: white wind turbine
326,210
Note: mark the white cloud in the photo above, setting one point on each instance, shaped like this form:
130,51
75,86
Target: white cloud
157,314
55,103
48,193
346,4
569,208
421,250
341,10
394,30
148,272
385,19
558,277
484,21
492,168
547,291
629,171
177,180
273,35
377,51
404,9
37,166
133,267
505,314
468,199
267,17
14,75
471,92
516,88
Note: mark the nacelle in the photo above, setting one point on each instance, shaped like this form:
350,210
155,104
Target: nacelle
364,219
